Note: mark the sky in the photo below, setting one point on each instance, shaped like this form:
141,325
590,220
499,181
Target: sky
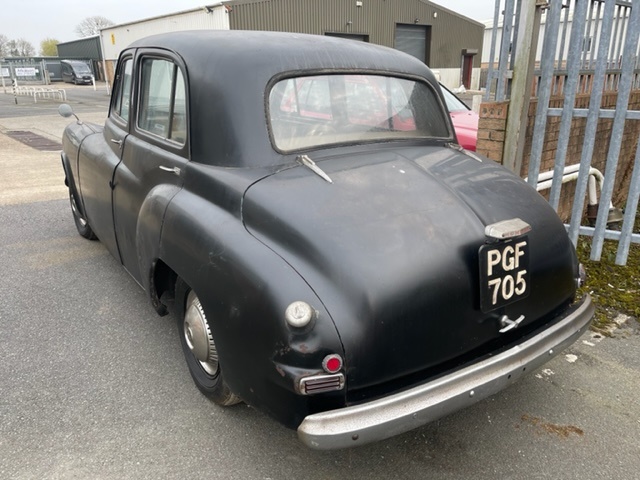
36,20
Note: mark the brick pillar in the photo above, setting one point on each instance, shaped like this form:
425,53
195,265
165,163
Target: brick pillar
491,129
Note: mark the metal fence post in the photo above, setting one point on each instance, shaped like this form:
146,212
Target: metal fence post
505,48
570,90
525,51
592,122
622,104
492,52
629,212
14,87
544,93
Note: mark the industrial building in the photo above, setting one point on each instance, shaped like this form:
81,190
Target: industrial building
445,40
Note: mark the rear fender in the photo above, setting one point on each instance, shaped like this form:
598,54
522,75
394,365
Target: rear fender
148,233
245,288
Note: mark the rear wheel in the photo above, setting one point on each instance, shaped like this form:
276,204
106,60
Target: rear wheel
81,222
200,349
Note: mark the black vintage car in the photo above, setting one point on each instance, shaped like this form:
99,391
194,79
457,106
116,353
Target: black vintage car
333,257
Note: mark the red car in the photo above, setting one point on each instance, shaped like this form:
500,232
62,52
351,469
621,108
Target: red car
465,120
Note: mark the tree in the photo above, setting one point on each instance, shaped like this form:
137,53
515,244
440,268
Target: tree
20,48
49,47
91,26
4,50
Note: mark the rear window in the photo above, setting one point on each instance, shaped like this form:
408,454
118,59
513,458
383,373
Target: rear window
314,111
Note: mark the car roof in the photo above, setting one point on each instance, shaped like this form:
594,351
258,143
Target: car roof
291,50
229,73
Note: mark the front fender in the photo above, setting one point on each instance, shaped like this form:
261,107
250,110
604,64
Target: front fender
72,138
245,288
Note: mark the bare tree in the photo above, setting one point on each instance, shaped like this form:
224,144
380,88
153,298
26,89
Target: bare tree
20,48
91,26
4,50
49,47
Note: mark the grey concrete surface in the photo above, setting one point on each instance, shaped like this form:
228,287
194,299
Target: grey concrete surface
28,174
93,384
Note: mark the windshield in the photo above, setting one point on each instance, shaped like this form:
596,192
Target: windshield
81,68
319,110
454,104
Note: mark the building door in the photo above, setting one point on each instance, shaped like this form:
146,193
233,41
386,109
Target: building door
414,40
467,70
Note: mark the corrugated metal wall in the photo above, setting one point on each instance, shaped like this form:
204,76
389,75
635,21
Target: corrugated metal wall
83,48
450,32
117,38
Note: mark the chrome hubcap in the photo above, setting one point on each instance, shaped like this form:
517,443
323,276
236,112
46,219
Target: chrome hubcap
198,335
76,212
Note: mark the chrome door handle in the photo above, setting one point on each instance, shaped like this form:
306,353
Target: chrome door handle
117,142
174,170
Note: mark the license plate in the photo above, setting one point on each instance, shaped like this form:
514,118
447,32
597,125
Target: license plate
504,273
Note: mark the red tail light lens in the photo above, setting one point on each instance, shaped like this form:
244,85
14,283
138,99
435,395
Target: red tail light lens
332,363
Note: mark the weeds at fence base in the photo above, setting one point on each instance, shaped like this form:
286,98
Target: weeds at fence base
615,289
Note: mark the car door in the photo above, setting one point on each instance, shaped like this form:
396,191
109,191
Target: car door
154,155
100,155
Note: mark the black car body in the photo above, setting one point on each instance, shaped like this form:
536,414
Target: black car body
333,257
76,72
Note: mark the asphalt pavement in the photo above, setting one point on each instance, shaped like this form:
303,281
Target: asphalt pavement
93,384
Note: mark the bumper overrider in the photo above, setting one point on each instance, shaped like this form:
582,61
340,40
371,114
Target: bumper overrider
401,412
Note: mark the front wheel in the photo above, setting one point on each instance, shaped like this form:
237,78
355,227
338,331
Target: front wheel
81,222
200,350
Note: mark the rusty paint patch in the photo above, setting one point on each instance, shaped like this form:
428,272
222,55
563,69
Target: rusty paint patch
563,431
35,141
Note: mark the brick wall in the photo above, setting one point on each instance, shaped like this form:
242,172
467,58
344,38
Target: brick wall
491,133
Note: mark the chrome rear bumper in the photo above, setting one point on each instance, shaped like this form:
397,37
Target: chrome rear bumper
398,413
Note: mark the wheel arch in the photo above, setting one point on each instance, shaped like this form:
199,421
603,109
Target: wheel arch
70,182
244,288
162,283
157,277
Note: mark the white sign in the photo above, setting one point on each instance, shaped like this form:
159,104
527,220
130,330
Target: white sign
5,72
26,72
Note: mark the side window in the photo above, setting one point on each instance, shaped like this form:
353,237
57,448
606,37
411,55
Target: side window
123,99
163,109
179,117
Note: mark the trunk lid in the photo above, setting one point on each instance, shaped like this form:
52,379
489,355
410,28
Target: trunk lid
391,248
